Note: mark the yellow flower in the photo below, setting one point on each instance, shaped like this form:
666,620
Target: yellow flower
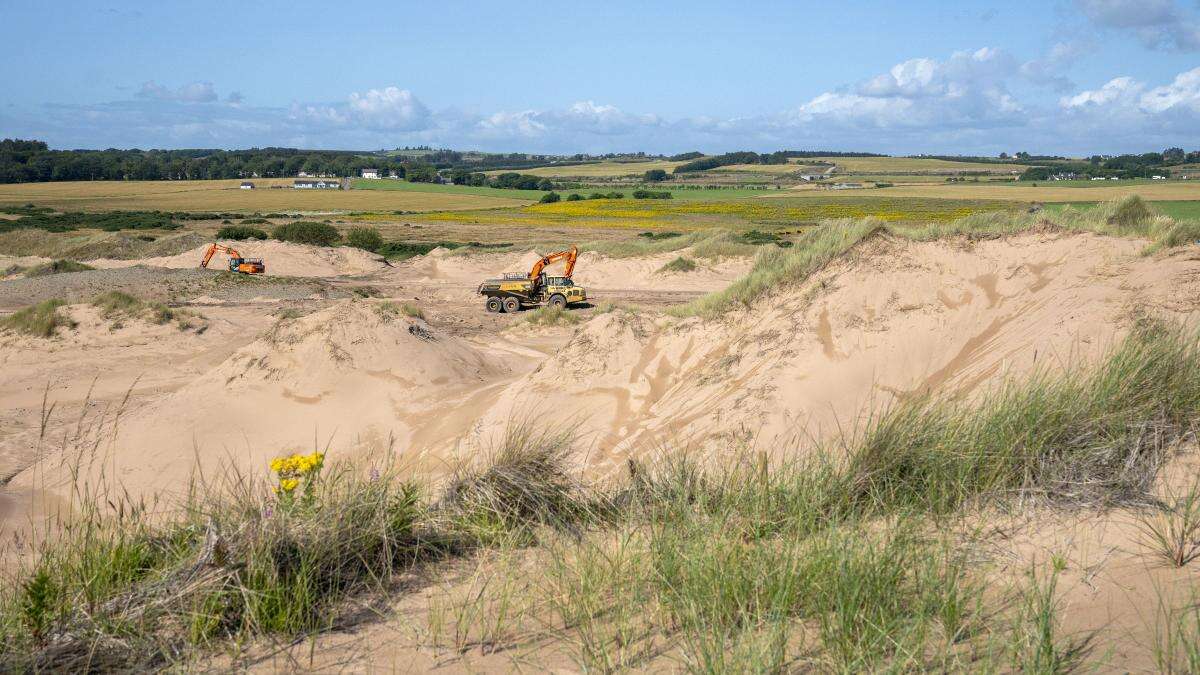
288,484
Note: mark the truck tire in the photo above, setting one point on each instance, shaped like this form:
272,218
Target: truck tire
493,304
512,305
558,300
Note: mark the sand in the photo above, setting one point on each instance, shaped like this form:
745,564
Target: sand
810,362
280,258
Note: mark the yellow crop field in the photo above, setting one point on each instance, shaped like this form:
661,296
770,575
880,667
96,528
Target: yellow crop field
685,215
1048,192
597,170
224,195
908,165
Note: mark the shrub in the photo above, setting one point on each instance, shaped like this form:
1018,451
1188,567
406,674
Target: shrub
680,264
654,176
366,238
57,267
550,198
40,320
240,233
651,194
574,197
255,221
307,232
655,236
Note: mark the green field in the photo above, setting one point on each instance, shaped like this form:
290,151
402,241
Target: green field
1179,210
385,184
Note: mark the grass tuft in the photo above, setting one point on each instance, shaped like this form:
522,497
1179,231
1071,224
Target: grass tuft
1099,436
41,320
1173,530
679,264
552,316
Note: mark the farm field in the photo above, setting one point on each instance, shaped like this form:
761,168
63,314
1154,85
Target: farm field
1051,192
917,165
436,188
595,170
746,213
1177,209
224,195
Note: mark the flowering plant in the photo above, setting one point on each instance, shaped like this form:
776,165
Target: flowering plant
294,470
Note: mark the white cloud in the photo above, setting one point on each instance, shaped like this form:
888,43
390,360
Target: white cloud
196,92
1123,89
387,109
1157,24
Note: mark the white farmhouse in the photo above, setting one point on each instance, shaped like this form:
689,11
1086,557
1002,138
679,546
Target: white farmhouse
246,185
370,173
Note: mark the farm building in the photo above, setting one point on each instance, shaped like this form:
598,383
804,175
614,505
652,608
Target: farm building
316,184
246,185
370,173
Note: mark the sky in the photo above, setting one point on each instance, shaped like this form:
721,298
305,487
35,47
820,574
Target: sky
1074,77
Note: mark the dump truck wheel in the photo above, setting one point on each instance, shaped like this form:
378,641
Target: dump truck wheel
558,301
493,305
512,305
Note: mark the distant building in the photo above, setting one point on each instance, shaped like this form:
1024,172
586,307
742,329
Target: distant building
246,185
1158,178
846,186
370,173
316,184
303,174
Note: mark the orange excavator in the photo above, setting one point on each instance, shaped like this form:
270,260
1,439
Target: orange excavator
236,262
511,293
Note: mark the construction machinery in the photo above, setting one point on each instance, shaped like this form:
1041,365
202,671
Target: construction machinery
513,291
236,262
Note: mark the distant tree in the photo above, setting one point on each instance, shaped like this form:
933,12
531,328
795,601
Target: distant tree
654,176
550,198
421,173
573,197
1174,156
1004,155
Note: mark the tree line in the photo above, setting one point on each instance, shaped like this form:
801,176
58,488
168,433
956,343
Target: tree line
32,161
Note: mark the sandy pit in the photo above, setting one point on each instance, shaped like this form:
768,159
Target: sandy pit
280,258
892,319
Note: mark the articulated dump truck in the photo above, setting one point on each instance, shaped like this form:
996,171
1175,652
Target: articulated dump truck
513,291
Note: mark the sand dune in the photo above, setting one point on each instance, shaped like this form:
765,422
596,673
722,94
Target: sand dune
892,319
281,258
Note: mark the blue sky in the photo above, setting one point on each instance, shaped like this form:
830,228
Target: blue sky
1063,76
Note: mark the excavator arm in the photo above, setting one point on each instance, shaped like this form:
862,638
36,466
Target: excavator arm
212,250
570,255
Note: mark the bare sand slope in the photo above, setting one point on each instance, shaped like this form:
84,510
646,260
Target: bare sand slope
348,378
592,270
893,319
281,258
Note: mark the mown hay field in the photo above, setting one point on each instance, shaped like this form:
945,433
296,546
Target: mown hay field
596,170
912,164
224,195
692,215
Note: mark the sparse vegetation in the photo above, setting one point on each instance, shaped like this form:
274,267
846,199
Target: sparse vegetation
116,307
390,310
57,267
747,563
552,316
41,320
